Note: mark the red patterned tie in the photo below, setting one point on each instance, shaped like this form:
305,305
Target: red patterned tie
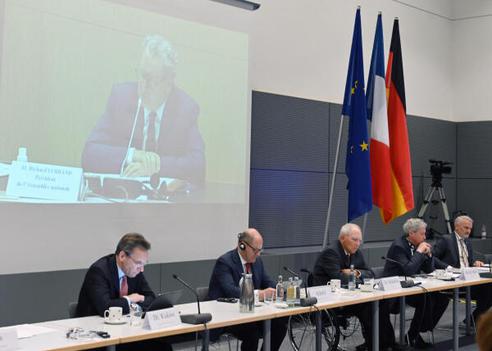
124,287
248,267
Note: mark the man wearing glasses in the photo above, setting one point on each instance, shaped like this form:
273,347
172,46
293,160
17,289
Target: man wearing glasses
149,126
334,263
228,270
117,279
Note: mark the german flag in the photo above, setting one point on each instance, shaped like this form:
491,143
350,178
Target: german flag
401,168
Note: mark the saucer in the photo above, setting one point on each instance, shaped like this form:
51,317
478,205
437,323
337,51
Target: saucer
117,322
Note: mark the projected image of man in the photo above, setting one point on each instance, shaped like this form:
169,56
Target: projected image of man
150,126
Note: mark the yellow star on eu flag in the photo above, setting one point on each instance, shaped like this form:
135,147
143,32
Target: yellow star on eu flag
364,146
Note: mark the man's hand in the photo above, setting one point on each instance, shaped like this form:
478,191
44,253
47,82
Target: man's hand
347,271
478,263
136,298
261,293
144,163
425,248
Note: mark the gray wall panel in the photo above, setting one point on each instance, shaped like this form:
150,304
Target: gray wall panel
474,145
431,139
474,197
289,208
289,133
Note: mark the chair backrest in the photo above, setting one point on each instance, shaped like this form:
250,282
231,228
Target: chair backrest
378,271
72,309
202,292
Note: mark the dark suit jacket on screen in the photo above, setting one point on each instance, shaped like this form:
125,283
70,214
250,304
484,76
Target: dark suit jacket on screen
410,264
332,260
180,145
446,252
101,289
227,272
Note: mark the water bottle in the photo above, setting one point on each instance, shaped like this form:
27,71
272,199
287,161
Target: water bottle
297,284
351,280
247,297
22,154
484,232
291,293
279,289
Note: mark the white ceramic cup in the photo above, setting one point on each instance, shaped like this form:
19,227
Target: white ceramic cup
113,314
335,284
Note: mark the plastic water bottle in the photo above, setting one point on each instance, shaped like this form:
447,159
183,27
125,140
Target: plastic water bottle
484,232
297,284
279,289
22,154
351,280
291,293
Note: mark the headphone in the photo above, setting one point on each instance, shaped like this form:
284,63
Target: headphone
240,238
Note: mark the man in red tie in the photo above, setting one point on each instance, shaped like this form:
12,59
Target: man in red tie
228,270
117,279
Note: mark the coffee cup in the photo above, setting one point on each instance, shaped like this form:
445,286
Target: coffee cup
335,284
113,314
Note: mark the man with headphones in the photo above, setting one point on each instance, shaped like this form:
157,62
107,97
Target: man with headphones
224,282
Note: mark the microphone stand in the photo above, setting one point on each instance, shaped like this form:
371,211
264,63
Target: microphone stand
194,318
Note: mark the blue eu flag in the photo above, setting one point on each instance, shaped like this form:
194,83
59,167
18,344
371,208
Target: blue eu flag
357,165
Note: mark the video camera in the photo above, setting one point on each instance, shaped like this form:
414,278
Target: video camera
438,168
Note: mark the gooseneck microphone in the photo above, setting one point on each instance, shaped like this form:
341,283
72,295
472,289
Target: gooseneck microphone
407,283
132,134
307,301
195,318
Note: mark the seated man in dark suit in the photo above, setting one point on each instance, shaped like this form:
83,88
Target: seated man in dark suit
334,263
228,270
457,251
150,126
415,256
118,280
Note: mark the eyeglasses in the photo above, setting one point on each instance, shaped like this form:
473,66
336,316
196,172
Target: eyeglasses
137,263
255,249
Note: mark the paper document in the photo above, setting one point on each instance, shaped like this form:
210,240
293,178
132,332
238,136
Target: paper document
29,330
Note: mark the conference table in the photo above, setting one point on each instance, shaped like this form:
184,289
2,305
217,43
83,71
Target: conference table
227,314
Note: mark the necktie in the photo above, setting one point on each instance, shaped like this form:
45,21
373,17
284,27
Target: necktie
248,267
151,144
123,287
464,253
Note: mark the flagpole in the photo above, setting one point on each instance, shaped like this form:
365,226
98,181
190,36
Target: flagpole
332,187
364,223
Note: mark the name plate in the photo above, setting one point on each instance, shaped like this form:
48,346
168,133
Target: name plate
470,273
167,317
390,283
43,181
8,339
321,293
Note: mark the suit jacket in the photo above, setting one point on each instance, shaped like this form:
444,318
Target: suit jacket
180,145
227,272
410,264
101,289
332,260
446,252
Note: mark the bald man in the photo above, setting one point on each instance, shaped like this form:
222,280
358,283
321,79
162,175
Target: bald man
228,270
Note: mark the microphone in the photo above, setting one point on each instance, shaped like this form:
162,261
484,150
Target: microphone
307,301
407,283
291,271
132,134
195,318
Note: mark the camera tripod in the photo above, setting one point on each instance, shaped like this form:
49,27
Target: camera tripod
436,186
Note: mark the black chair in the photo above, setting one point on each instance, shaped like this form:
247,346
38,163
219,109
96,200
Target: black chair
72,309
